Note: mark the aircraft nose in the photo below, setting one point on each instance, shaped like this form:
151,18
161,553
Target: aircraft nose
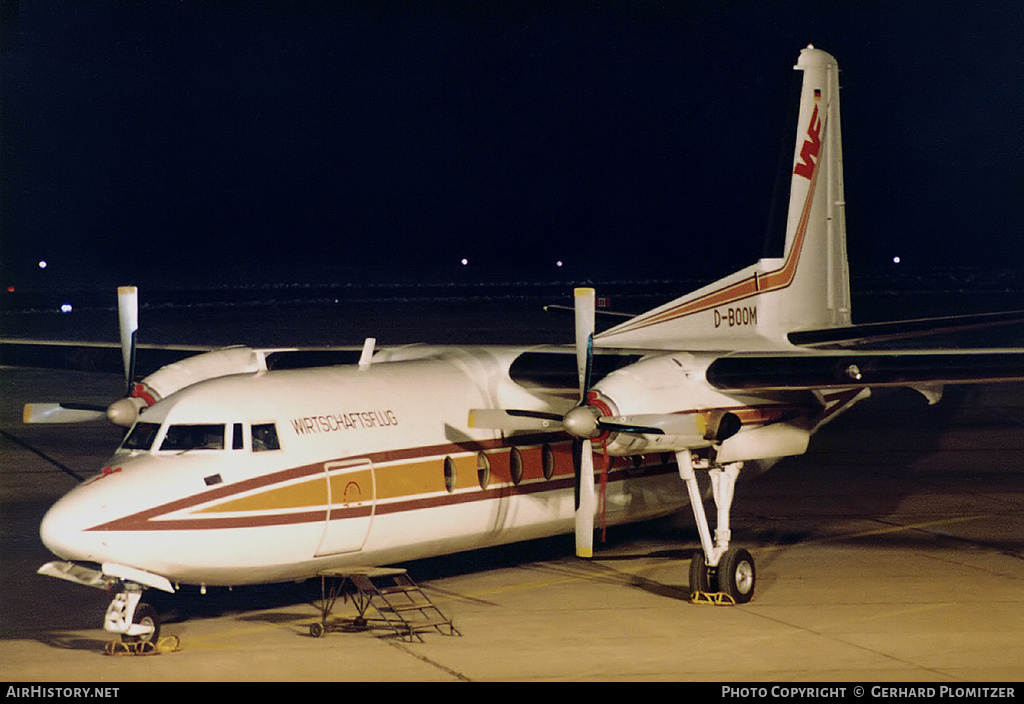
63,531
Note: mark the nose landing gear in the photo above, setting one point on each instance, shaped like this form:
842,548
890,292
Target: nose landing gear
137,622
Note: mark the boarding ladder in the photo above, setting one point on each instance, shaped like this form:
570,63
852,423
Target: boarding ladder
385,598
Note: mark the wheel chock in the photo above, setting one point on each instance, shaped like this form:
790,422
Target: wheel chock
167,644
713,598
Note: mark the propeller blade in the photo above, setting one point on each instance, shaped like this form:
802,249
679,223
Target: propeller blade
128,319
498,419
614,426
585,304
583,452
586,503
62,413
717,425
653,424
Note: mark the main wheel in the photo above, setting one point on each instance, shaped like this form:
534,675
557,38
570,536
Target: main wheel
700,574
736,575
145,615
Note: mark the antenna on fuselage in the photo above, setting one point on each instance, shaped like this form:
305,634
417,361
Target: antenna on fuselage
366,357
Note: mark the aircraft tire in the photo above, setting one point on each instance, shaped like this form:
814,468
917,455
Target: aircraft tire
145,614
736,575
700,574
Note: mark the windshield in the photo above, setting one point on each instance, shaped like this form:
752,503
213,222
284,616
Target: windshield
194,437
141,437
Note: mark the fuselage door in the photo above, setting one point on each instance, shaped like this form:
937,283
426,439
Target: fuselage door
351,493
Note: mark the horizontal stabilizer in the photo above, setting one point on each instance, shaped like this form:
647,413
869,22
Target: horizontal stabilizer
782,372
874,333
598,312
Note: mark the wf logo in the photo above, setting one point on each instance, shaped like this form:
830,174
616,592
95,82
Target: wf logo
812,145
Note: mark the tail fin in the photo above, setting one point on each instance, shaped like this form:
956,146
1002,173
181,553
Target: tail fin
806,289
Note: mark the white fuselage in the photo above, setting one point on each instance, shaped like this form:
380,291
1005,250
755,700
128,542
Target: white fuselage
372,466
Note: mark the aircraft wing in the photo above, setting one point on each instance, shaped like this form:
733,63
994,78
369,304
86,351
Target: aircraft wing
831,370
106,357
88,356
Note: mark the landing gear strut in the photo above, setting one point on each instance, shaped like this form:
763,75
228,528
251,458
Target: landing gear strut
135,621
716,567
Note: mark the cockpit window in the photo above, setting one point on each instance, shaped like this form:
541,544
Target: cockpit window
180,438
141,437
264,437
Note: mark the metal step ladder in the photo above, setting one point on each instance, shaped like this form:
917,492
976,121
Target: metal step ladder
385,598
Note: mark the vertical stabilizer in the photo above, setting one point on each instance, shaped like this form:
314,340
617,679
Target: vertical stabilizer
806,289
819,295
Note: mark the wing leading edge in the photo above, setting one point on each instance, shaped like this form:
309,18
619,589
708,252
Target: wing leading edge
818,370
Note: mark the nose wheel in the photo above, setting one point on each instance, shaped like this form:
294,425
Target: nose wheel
137,622
148,622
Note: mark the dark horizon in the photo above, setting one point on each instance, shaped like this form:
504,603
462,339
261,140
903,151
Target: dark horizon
171,142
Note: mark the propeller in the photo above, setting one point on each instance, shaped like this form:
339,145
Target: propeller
581,423
585,421
128,322
121,412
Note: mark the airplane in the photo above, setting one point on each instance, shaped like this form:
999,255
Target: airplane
239,469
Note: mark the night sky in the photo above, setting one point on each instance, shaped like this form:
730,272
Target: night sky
198,142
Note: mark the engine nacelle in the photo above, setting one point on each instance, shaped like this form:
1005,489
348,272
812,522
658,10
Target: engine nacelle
673,386
186,372
695,415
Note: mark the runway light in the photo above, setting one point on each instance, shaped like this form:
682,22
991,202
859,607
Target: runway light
558,263
65,308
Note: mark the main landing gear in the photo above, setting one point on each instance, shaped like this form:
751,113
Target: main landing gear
716,567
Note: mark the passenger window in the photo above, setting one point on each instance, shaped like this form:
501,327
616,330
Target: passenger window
141,437
449,474
483,470
515,465
181,438
547,459
264,437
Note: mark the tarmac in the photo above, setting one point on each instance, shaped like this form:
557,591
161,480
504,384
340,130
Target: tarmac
893,551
